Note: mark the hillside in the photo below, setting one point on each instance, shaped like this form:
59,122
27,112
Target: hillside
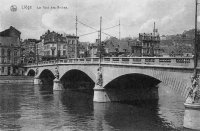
179,43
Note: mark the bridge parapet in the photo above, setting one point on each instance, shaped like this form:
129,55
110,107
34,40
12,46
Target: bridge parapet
165,61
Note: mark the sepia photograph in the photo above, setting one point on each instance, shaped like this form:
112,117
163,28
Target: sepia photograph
99,65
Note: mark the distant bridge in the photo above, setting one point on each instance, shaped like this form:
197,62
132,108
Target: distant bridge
123,78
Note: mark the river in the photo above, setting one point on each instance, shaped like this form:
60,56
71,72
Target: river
30,108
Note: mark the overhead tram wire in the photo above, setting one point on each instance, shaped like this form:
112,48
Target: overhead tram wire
86,25
88,33
107,34
93,33
111,27
96,29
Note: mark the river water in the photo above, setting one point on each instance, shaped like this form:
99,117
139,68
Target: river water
30,108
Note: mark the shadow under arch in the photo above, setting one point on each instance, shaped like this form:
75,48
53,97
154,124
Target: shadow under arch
31,73
47,77
77,79
133,87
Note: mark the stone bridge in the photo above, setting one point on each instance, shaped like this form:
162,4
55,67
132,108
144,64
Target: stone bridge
118,79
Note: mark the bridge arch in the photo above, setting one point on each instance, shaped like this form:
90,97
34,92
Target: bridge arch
133,87
76,78
31,72
133,78
176,79
46,76
88,71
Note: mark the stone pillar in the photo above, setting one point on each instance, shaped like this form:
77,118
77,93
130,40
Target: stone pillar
37,81
192,118
57,85
100,94
192,106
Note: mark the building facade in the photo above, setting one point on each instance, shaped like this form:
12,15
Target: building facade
29,50
58,45
40,50
92,50
10,52
150,44
136,48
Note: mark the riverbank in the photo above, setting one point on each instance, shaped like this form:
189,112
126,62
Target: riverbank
16,79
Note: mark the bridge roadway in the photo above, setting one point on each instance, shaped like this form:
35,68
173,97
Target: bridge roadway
173,72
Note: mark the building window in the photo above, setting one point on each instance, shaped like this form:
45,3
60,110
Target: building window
64,52
64,46
48,52
3,60
15,60
69,42
2,69
48,46
59,46
9,55
15,53
2,51
53,52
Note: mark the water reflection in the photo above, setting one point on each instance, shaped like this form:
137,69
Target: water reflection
28,107
128,117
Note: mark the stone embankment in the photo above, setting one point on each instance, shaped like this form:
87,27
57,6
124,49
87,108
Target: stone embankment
16,79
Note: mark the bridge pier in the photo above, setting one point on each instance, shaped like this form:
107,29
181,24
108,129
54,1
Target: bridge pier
100,94
37,81
192,105
57,85
192,118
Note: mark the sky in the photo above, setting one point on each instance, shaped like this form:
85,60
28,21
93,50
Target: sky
136,16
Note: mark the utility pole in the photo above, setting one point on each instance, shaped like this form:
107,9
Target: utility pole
195,44
57,49
154,29
76,38
37,57
119,30
100,42
37,53
153,40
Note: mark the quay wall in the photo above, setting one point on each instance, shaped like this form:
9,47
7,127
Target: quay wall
16,79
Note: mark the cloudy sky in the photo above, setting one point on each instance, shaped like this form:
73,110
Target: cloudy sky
136,16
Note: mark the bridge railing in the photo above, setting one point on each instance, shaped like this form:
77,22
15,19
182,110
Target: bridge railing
181,61
163,61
